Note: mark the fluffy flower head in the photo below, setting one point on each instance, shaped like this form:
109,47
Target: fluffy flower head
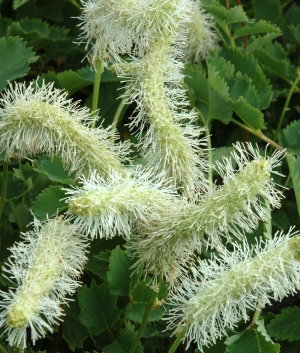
221,290
42,119
45,267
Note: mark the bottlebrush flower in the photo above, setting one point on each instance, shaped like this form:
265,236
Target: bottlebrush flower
114,28
200,35
115,205
45,267
231,209
221,290
42,119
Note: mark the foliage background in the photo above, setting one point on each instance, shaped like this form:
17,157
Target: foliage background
247,91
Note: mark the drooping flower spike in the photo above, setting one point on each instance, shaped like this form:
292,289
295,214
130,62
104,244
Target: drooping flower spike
44,268
106,207
225,211
42,120
221,290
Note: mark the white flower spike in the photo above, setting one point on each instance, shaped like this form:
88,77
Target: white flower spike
42,120
221,290
117,205
45,267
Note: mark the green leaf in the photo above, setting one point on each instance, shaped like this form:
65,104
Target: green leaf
98,264
15,188
269,10
48,203
219,347
274,57
294,166
34,181
121,277
292,137
236,14
291,18
250,115
211,93
241,86
252,341
259,27
248,65
295,30
54,169
72,81
14,59
99,311
258,42
18,3
141,296
123,343
74,332
37,32
280,220
286,325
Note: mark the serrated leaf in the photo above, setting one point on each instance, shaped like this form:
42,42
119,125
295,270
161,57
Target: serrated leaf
121,277
48,203
259,27
15,188
236,14
291,18
72,82
18,3
286,325
141,296
99,311
33,30
241,86
248,65
74,331
250,115
269,10
123,343
218,11
252,341
295,30
294,166
274,57
14,59
260,326
258,42
98,264
292,137
54,169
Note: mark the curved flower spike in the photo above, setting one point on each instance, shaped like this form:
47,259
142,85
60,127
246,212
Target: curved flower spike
221,290
116,205
42,119
235,208
45,267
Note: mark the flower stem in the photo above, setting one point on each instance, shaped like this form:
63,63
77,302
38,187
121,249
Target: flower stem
178,340
286,106
144,322
96,90
259,134
117,116
14,212
256,316
4,186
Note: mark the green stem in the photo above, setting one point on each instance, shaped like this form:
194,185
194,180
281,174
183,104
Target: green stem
4,186
259,134
179,338
96,90
144,322
14,212
117,116
286,106
256,316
